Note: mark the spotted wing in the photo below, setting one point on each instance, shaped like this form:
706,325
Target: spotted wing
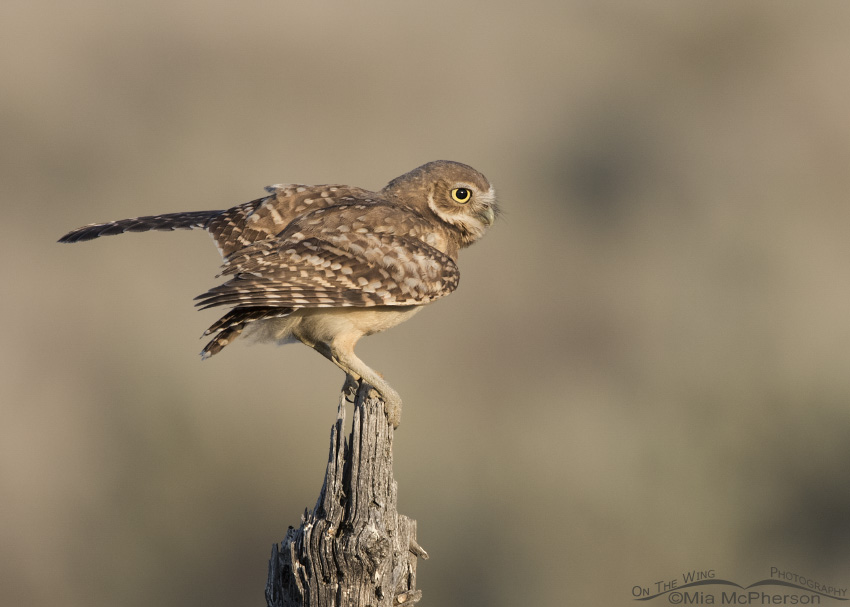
335,270
265,218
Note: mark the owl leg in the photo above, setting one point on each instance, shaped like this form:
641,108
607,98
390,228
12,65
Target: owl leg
356,369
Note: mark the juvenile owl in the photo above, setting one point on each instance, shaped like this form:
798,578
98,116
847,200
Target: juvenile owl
327,264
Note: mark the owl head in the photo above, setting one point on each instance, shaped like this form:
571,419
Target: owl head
455,193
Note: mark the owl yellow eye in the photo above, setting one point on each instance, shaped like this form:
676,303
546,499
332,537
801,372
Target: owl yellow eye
461,195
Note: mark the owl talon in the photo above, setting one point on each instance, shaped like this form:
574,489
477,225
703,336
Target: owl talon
394,415
349,388
392,405
391,399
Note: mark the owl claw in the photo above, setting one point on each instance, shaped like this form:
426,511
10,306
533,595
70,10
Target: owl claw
392,401
392,404
349,388
394,414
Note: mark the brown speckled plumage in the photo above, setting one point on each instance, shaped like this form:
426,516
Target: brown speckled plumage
297,259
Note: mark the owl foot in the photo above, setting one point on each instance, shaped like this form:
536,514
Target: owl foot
391,399
393,408
349,388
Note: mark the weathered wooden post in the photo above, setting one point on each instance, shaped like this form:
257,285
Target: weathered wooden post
354,549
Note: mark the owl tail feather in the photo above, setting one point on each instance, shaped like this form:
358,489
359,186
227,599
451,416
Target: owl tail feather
231,325
222,339
170,221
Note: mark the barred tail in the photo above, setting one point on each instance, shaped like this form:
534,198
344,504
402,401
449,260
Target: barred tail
231,325
170,221
221,340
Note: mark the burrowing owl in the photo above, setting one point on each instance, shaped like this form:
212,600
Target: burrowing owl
328,264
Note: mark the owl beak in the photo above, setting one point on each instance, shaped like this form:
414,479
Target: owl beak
488,215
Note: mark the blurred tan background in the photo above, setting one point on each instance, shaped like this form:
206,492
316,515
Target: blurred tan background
644,371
